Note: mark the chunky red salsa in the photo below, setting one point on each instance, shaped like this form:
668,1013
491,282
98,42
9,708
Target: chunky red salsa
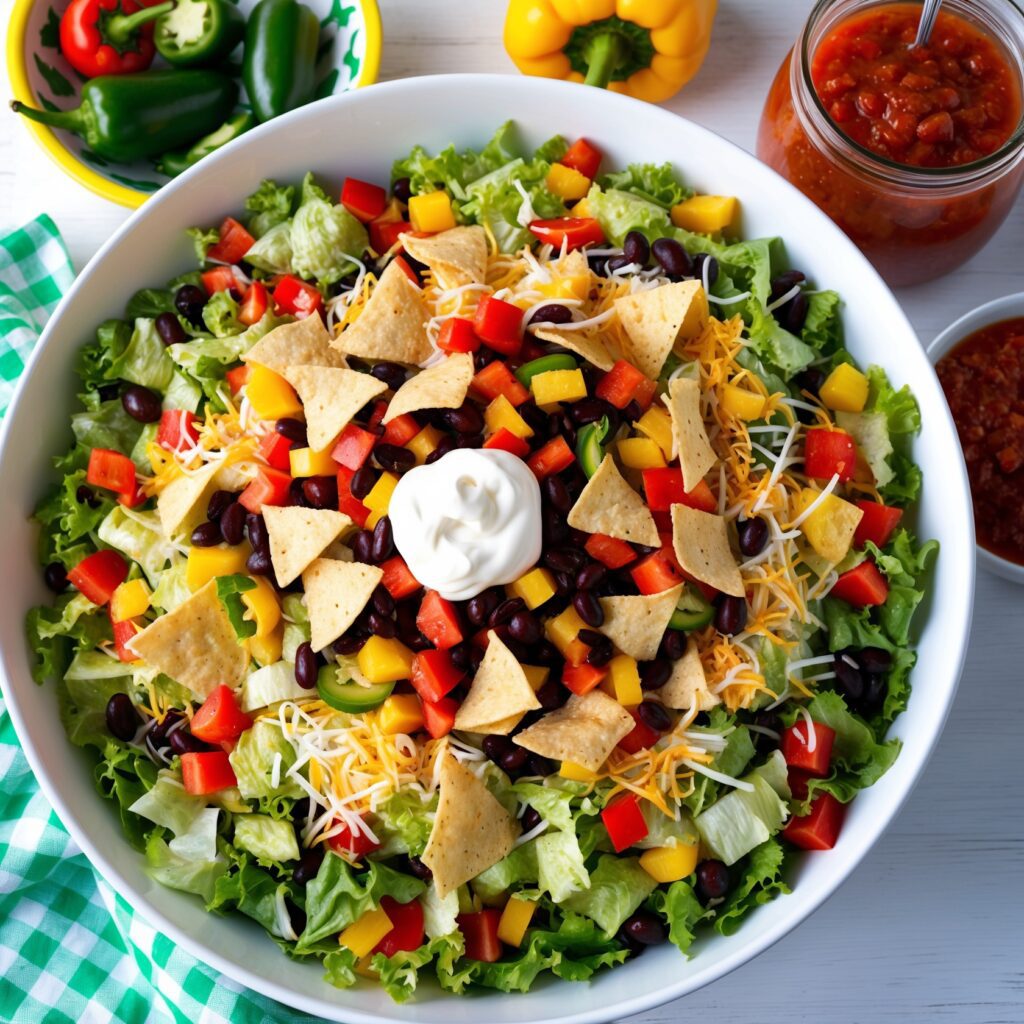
948,103
983,378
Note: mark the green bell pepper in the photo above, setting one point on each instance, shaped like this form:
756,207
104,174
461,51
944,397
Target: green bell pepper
590,444
693,610
279,67
199,32
557,361
181,160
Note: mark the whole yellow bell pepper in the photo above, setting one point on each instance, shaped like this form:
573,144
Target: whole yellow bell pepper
648,49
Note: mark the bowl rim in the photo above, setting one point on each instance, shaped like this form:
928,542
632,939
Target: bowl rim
859,845
49,140
986,314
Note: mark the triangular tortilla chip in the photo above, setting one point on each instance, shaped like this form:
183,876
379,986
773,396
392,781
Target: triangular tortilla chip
636,623
701,544
687,687
443,386
584,731
298,536
499,695
181,505
336,592
305,342
457,256
655,319
471,832
330,398
609,505
696,456
194,644
393,323
589,347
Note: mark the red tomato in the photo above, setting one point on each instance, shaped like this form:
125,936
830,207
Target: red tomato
123,632
573,232
233,244
406,269
296,297
178,430
819,829
877,524
555,456
624,821
504,440
220,718
861,586
480,930
828,453
406,927
254,304
221,279
609,551
237,377
271,487
584,157
97,576
500,324
438,621
434,675
354,844
207,772
363,200
796,748
398,581
457,335
111,470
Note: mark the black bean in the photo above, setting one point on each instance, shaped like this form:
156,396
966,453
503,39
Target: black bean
795,313
849,677
383,602
389,373
158,731
552,313
810,379
588,608
350,643
479,608
556,494
674,259
655,674
122,718
530,819
873,659
636,248
552,695
467,419
321,491
712,880
292,430
698,267
258,563
495,746
524,627
731,614
600,654
482,357
875,693
565,559
535,418
55,576
591,576
382,626
545,653
86,496
653,714
590,637
616,263
168,326
189,301
181,741
362,481
563,584
383,546
142,404
297,494
256,528
306,665
444,446
393,458
513,759
205,535
753,535
598,265
107,392
537,765
505,611
632,411
308,867
784,283
590,410
218,503
362,546
645,929
419,869
402,190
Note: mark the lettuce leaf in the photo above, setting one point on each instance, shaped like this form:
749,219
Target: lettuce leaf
203,239
272,252
760,883
731,760
271,204
105,425
560,867
220,315
139,536
404,822
269,840
679,905
168,805
145,361
184,873
657,183
514,871
322,235
123,774
618,885
253,763
95,359
823,327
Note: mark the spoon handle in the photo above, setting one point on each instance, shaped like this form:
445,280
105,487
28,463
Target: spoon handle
929,12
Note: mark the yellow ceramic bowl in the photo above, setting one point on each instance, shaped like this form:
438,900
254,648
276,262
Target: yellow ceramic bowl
349,59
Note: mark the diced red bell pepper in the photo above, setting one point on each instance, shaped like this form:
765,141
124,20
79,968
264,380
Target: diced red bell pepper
457,335
828,453
401,430
877,524
500,324
376,418
237,377
233,244
434,675
384,234
657,572
619,385
663,487
406,269
504,440
207,772
584,157
406,926
254,304
798,783
98,575
132,500
353,447
645,392
796,748
497,379
123,632
583,678
347,502
573,232
439,718
624,821
438,621
398,581
111,470
271,487
364,201
642,737
276,449
178,430
818,829
220,718
609,551
221,279
861,586
355,844
555,456
296,297
480,931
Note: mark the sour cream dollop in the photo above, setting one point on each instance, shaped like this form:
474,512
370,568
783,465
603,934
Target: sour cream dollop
467,522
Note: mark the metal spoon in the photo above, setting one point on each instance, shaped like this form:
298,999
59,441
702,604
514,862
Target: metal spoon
929,12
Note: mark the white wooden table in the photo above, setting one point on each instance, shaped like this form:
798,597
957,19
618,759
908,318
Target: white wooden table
930,926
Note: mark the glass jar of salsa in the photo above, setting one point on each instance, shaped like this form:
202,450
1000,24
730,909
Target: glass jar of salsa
916,153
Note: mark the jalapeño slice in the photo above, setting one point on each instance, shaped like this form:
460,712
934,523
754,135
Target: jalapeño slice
348,695
693,610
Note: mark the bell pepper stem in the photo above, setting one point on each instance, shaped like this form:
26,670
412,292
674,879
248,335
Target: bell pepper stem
120,28
604,53
69,120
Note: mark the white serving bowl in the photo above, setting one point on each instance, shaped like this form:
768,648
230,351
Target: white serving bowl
360,134
1007,308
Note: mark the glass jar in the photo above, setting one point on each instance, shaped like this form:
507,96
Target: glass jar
913,223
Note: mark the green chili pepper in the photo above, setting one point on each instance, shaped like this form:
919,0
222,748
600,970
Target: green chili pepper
558,361
693,610
133,117
279,68
199,32
175,163
590,444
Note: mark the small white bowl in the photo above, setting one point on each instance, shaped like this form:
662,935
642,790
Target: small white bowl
1006,308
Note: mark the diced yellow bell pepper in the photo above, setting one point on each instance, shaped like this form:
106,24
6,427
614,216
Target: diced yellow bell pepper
657,425
262,607
431,212
267,649
576,772
130,599
401,712
306,462
424,443
670,863
569,286
562,631
582,208
845,389
365,968
385,661
379,497
567,182
362,935
205,564
743,404
831,526
625,680
270,395
558,386
502,413
515,919
536,675
536,587
640,453
705,214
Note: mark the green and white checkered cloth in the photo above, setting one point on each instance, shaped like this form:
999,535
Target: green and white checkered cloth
71,949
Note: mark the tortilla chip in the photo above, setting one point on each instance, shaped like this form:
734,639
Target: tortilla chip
298,536
636,624
194,644
443,386
589,347
330,398
830,528
457,256
181,505
393,323
702,546
584,731
339,551
609,505
655,319
500,693
336,592
471,832
687,687
696,456
305,342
